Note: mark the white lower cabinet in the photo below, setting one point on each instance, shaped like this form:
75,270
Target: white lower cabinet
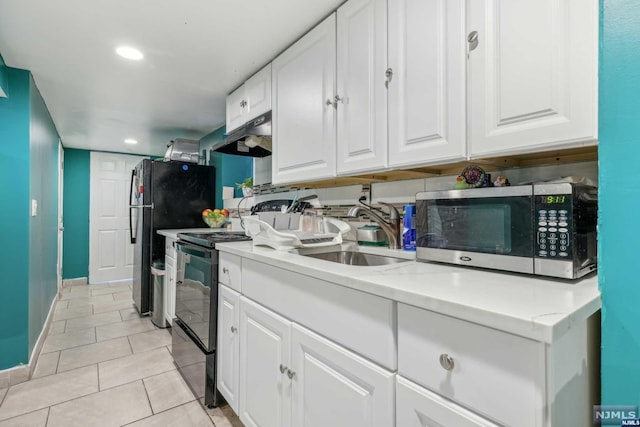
335,387
228,345
169,288
265,390
290,376
284,362
170,256
418,407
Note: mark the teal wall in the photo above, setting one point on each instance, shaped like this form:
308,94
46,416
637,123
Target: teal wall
43,230
75,253
230,169
619,200
14,221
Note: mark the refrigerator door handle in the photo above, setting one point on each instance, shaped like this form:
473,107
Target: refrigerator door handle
141,206
131,230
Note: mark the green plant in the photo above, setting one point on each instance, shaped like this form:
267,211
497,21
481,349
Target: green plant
247,183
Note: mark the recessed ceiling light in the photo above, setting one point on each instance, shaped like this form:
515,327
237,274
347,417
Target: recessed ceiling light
130,141
129,52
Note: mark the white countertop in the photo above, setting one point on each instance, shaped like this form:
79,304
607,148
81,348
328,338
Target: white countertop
174,233
542,309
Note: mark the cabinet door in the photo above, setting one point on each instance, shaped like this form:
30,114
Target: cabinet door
265,390
362,104
228,349
334,387
169,288
236,109
304,132
258,93
427,97
418,407
533,75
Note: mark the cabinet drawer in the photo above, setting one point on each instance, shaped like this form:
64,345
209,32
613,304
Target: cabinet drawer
229,272
496,374
169,248
418,407
361,322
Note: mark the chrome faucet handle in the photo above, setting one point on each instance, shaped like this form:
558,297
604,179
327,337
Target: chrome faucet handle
393,212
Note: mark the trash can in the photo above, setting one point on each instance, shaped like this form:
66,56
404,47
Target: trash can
157,310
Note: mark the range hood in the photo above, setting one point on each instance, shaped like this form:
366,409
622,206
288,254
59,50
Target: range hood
252,139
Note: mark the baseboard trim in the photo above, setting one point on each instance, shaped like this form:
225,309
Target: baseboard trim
21,373
74,282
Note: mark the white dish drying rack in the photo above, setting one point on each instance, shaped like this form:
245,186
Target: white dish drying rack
264,233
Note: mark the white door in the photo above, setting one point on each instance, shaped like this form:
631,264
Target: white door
361,91
418,407
334,387
304,131
265,390
258,93
110,251
533,75
427,98
60,212
228,349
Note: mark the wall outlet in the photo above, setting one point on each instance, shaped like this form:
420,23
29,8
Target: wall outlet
34,207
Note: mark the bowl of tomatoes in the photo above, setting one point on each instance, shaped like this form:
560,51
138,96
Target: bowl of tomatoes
215,218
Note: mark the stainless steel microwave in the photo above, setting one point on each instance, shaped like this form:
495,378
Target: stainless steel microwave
546,229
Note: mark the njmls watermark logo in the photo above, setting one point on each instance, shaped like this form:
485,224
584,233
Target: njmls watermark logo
615,415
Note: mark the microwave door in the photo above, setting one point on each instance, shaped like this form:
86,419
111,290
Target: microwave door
493,232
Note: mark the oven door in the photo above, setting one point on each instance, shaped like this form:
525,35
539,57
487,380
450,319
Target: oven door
484,227
197,292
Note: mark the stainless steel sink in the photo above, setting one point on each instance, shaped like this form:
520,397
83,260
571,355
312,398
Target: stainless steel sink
355,258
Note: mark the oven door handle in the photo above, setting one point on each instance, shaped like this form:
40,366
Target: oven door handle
192,250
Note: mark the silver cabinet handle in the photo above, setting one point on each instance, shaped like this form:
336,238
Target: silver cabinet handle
446,362
472,39
225,270
388,76
234,329
290,374
283,368
330,102
337,99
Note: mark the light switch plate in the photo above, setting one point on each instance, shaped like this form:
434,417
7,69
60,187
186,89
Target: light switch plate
34,207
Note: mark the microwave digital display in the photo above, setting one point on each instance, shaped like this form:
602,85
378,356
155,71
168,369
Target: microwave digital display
550,200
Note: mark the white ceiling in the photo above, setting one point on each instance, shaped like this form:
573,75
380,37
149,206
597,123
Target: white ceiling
196,52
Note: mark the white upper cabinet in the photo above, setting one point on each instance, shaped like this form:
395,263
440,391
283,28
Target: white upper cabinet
532,75
304,82
361,101
250,100
427,101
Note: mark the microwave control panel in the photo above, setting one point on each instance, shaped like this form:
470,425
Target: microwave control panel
554,226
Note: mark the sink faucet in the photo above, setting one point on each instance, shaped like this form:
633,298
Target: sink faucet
390,228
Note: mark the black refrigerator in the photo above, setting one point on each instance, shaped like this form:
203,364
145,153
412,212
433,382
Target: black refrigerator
163,195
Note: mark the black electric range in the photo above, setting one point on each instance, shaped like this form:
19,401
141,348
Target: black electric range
208,240
194,335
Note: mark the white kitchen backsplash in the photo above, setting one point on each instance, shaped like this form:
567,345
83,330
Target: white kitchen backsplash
403,192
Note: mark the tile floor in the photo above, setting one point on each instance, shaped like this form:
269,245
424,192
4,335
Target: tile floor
103,365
